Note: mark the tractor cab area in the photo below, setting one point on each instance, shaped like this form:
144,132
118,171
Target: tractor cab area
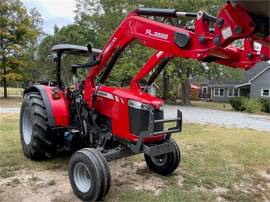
75,50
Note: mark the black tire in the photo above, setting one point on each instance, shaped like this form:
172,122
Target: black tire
164,164
35,140
89,174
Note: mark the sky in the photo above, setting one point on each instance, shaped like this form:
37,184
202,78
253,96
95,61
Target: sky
53,12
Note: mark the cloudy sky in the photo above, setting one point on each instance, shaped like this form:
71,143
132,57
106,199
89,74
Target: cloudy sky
54,12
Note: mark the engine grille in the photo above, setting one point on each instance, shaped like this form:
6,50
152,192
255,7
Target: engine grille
139,120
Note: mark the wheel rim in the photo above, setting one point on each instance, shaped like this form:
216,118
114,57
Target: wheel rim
81,177
27,126
159,160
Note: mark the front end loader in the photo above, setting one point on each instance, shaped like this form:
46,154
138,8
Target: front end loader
99,123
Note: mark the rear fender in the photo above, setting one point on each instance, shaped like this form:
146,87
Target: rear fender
57,110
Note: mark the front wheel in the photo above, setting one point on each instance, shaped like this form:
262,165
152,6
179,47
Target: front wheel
164,164
89,174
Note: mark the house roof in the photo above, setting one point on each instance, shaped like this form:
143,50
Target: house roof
260,67
248,76
254,77
222,85
242,85
196,80
195,87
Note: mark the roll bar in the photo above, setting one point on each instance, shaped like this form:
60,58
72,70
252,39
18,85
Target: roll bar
73,50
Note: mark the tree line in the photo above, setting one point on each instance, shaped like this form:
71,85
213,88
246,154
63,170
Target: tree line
26,50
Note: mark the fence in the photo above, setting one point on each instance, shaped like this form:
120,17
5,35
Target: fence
15,88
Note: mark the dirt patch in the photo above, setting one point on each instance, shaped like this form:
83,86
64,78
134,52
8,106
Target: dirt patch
35,185
265,175
180,181
53,185
135,175
244,188
220,190
220,199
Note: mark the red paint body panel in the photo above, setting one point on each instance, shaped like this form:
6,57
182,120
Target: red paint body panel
135,27
115,106
215,46
60,108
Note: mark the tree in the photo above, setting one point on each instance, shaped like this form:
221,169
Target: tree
181,70
72,34
98,15
18,32
184,68
31,71
103,16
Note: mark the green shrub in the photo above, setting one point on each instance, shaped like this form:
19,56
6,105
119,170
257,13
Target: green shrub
252,105
265,105
237,103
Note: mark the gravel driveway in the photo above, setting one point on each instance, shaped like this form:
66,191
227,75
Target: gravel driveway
218,117
9,110
206,116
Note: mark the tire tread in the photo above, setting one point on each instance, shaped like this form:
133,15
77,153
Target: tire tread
173,161
41,145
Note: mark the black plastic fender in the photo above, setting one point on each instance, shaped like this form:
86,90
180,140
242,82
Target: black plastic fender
43,93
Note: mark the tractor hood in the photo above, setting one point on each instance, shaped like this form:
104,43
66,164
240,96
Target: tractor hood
126,94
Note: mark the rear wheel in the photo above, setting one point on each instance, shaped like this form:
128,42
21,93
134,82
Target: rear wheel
89,174
164,164
35,140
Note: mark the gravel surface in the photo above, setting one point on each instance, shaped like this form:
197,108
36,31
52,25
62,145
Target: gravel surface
9,110
219,117
206,116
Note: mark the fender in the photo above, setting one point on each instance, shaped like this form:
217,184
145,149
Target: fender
57,110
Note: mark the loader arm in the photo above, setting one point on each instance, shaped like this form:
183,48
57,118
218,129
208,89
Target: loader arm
202,43
232,23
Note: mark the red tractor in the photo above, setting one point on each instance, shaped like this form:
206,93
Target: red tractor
122,121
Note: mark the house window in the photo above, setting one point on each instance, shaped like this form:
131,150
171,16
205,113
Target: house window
265,92
233,92
236,92
204,90
216,91
219,92
230,92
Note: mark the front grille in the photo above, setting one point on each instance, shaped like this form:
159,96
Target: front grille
139,120
158,115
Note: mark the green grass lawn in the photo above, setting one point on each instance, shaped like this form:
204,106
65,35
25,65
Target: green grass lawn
212,105
11,158
217,163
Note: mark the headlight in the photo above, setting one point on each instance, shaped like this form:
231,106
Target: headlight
139,105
